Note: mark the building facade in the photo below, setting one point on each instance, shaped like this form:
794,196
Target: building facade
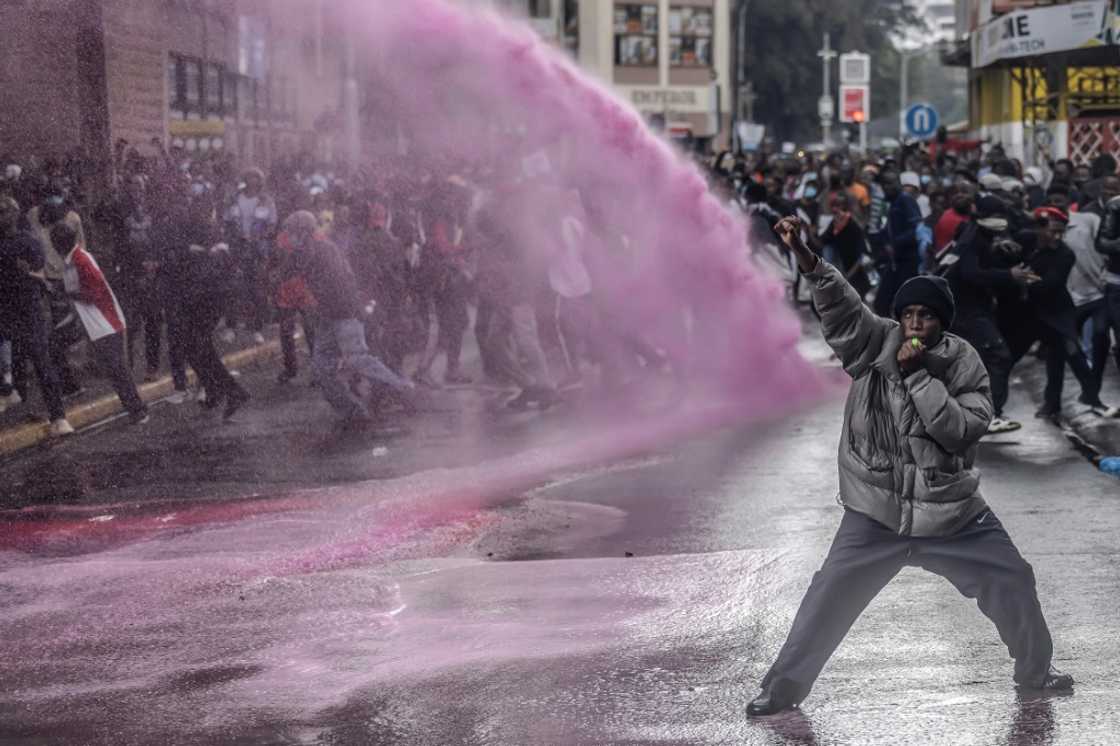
1043,77
671,59
258,78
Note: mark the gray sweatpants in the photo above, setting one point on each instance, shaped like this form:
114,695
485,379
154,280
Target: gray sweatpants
980,561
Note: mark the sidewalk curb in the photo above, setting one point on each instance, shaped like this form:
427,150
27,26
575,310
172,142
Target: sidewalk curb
17,438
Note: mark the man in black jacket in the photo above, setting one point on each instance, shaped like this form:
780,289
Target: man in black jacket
23,318
1045,312
983,268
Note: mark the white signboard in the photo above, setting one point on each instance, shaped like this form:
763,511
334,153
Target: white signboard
1028,33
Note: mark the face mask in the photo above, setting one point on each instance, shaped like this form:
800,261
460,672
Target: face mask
810,192
55,201
995,225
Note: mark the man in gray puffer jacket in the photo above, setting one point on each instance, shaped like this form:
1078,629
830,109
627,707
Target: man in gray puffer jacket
918,406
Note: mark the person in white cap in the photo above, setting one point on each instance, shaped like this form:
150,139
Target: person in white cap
990,184
912,183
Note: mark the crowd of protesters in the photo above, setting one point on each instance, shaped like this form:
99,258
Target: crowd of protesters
1032,254
386,271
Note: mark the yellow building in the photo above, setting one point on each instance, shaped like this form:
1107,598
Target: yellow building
1045,79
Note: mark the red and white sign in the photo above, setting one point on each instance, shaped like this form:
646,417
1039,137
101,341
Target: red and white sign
855,103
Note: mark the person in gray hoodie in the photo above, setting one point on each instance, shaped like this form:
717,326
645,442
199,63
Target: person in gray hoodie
918,405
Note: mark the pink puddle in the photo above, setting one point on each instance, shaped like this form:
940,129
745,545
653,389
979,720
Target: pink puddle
469,88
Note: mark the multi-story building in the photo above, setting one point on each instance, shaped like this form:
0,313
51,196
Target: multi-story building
259,78
671,59
1042,75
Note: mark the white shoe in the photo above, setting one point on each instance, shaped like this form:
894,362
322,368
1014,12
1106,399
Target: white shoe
177,397
228,336
258,338
200,395
1103,410
10,400
999,425
62,427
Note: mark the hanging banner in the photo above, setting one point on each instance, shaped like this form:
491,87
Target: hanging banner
1029,33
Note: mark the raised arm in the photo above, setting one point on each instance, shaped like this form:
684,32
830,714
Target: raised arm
851,329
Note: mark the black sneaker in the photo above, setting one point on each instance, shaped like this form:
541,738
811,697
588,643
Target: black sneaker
1054,681
1048,413
140,418
767,704
287,375
234,402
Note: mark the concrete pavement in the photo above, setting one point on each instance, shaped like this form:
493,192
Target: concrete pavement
267,581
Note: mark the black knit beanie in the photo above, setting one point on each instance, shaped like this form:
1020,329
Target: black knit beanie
930,291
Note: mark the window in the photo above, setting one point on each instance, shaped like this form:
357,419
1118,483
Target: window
690,37
540,8
214,81
192,85
635,34
571,26
175,85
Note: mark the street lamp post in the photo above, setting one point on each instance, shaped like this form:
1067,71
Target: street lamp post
827,55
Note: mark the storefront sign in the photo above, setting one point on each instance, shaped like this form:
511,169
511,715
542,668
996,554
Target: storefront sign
657,99
1029,33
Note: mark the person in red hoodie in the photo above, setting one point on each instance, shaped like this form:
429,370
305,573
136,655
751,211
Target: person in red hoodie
959,212
100,314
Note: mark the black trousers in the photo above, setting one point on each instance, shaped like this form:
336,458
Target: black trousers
29,335
980,561
1060,350
1096,313
196,326
287,318
110,352
982,332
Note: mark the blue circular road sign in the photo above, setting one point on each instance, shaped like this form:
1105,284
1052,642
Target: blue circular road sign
921,121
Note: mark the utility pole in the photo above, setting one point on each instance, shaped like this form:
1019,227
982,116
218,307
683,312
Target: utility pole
827,55
739,90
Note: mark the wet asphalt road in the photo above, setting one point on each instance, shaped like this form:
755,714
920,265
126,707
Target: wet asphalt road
469,578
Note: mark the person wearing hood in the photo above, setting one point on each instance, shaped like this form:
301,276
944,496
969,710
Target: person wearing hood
917,408
899,260
350,378
982,265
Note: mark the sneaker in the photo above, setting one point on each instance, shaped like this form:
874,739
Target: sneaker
10,400
258,338
1053,681
61,428
178,397
1048,413
766,703
140,418
228,336
287,375
1101,409
73,392
236,399
1000,425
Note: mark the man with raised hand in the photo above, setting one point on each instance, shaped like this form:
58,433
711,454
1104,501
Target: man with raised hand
918,405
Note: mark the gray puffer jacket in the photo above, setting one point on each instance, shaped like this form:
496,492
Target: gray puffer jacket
908,444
